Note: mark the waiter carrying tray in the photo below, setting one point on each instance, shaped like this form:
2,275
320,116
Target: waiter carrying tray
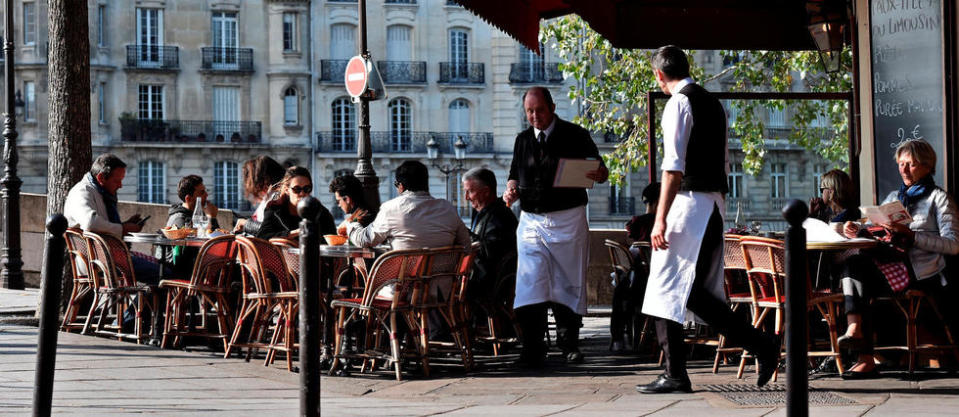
552,239
686,268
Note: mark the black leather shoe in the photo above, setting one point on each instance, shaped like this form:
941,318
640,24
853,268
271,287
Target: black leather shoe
574,357
852,376
666,384
768,361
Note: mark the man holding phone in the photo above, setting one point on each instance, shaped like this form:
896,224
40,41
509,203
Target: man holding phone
92,206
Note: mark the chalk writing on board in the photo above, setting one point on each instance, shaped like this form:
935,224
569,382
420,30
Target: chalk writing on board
901,134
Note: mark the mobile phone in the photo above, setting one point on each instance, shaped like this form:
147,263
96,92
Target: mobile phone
143,220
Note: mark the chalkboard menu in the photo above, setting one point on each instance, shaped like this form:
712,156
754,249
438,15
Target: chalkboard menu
907,82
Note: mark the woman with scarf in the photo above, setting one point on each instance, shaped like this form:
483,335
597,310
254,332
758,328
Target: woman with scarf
932,234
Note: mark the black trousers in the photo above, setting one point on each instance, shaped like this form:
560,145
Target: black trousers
716,312
533,321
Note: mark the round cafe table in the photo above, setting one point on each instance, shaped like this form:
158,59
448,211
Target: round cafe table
837,248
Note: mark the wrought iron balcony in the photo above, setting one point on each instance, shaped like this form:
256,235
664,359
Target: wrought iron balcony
535,73
462,73
153,57
405,142
333,69
227,59
402,72
622,206
733,204
778,203
198,131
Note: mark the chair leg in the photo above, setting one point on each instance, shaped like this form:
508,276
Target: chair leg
395,346
70,314
93,309
241,317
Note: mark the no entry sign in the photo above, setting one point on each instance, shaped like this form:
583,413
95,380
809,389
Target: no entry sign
356,76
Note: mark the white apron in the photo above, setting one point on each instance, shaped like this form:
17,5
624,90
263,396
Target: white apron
672,271
553,252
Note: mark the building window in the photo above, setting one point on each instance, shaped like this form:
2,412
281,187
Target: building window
777,176
817,171
342,41
777,118
291,110
149,35
459,54
151,182
399,43
30,99
29,23
150,102
226,185
344,124
459,116
289,32
736,180
101,25
532,63
102,102
401,125
225,40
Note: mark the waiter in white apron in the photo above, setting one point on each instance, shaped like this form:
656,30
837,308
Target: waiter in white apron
686,268
552,239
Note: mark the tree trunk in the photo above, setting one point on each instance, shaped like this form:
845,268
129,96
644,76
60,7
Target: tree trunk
70,154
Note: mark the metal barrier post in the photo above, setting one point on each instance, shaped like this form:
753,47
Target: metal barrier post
310,329
49,315
797,383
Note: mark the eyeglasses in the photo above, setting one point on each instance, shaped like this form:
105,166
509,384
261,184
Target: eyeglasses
304,189
823,189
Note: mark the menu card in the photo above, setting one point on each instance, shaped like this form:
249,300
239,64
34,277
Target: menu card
571,173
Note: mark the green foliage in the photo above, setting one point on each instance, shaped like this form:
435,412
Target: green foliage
612,84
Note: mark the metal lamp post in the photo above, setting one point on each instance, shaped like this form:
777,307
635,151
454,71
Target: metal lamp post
459,153
11,274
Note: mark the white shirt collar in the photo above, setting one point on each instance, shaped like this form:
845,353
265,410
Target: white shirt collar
549,129
681,84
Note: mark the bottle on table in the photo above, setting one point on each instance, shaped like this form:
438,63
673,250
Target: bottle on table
200,220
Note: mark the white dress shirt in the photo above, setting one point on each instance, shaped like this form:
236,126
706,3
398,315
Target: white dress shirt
413,220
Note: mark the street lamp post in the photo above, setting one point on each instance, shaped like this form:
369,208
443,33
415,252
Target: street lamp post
459,153
11,264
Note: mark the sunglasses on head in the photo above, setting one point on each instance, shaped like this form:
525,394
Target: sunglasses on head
304,189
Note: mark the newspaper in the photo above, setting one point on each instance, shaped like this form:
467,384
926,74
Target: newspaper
889,213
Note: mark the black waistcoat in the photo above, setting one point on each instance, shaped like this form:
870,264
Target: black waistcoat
706,150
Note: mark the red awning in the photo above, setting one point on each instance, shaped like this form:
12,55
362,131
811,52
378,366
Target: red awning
649,24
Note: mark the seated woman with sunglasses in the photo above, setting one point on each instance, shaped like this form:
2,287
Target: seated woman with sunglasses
281,219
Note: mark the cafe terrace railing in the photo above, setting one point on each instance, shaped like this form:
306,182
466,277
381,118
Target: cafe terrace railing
159,57
227,59
406,142
199,131
402,72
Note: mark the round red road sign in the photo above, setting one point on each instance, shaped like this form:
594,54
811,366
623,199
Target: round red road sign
356,76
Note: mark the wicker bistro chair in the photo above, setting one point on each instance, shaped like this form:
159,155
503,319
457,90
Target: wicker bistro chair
622,261
909,304
736,286
111,270
208,285
765,266
441,292
268,292
400,269
79,255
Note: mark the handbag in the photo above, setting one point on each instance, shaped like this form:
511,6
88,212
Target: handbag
892,261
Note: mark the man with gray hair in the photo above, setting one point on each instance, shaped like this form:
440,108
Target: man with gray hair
493,225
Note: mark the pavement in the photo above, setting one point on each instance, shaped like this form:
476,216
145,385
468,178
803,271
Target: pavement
97,376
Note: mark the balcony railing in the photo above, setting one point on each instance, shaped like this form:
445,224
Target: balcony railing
777,203
406,142
622,206
143,130
400,2
537,73
333,69
733,204
153,56
341,1
462,73
227,59
402,72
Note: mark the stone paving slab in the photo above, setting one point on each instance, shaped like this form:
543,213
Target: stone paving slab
18,302
99,376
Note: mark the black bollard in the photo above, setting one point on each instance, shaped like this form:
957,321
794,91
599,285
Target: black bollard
310,328
797,384
49,315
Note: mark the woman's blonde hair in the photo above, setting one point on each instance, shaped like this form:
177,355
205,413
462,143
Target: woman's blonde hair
843,190
921,152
